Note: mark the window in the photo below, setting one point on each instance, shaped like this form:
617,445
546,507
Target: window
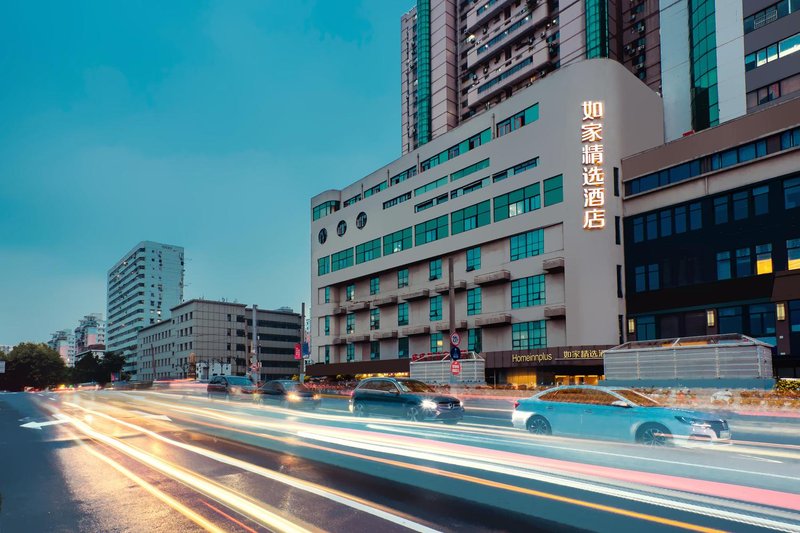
402,314
327,355
793,254
350,292
743,266
527,292
526,116
434,269
646,278
323,265
652,226
327,330
397,241
325,209
437,344
740,207
517,202
431,230
435,306
368,251
619,281
351,201
645,328
528,335
666,222
327,299
794,316
374,319
791,192
510,72
403,176
695,216
763,259
343,259
402,348
553,190
618,230
461,148
402,278
351,353
375,190
397,200
638,229
374,286
769,14
730,319
470,217
516,169
430,186
351,323
652,277
474,340
761,200
427,204
762,320
474,301
721,210
473,259
527,244
375,350
480,165
723,265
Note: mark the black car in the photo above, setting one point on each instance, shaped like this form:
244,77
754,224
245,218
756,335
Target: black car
287,393
228,386
404,398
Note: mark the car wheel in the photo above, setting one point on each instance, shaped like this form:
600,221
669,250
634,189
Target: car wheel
413,413
654,435
451,422
538,425
360,410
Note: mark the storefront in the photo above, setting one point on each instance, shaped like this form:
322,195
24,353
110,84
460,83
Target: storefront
562,365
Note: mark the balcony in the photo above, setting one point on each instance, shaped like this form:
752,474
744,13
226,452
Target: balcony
488,10
522,26
357,306
458,286
355,337
553,265
493,278
520,69
380,335
445,326
386,300
555,311
416,330
417,294
495,319
339,340
339,310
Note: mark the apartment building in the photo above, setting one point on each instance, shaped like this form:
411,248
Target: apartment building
525,200
91,331
63,342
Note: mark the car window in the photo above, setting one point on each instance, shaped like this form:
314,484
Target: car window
236,380
551,396
386,386
270,386
413,386
294,386
638,399
598,397
367,385
572,396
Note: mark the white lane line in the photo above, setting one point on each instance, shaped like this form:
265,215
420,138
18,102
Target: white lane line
546,478
335,496
753,457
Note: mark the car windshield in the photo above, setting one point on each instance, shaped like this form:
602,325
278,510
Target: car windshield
639,399
414,386
240,381
294,386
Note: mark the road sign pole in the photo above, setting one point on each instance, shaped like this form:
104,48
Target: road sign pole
451,304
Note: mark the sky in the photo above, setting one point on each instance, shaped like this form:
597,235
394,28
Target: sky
203,124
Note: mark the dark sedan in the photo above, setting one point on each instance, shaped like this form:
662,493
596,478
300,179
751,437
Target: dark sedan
404,398
229,386
288,394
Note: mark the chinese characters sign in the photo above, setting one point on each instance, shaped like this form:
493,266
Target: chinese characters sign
594,193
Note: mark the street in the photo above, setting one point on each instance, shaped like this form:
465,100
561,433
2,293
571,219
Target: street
159,460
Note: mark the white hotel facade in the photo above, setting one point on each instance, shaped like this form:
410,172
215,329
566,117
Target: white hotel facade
534,233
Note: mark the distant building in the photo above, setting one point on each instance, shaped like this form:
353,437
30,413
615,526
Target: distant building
63,342
205,337
91,331
142,288
98,350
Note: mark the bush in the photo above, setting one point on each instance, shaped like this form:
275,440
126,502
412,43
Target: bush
788,387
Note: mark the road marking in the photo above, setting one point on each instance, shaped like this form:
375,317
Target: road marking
40,425
149,415
229,517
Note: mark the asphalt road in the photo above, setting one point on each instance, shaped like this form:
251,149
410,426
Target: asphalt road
153,461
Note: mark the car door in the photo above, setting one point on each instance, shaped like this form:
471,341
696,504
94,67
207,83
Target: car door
366,393
214,386
395,401
601,419
270,393
563,410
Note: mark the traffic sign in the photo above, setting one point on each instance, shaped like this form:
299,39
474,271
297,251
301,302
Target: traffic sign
306,349
297,351
455,353
455,368
455,338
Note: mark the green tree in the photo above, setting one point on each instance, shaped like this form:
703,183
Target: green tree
111,363
32,365
86,369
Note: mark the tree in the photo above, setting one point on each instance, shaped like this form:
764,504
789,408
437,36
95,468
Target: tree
32,365
86,369
111,363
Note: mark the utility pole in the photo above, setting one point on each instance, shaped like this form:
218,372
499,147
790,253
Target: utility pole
302,341
254,374
451,304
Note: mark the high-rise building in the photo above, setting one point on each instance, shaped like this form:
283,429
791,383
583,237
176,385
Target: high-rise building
712,60
91,331
203,338
63,342
142,288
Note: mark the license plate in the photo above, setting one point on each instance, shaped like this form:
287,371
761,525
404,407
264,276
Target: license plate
724,434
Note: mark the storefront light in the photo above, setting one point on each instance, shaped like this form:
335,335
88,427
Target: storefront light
711,318
631,325
780,310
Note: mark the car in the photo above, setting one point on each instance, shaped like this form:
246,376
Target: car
404,398
228,386
615,413
287,393
89,385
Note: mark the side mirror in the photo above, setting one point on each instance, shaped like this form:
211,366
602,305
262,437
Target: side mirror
620,403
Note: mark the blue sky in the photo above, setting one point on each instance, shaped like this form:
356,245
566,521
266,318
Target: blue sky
198,123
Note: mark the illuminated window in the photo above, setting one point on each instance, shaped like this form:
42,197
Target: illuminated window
436,342
793,254
764,259
350,292
529,335
374,319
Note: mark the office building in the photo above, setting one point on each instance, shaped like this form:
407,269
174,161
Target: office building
63,342
712,234
525,200
461,58
142,288
204,337
91,331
